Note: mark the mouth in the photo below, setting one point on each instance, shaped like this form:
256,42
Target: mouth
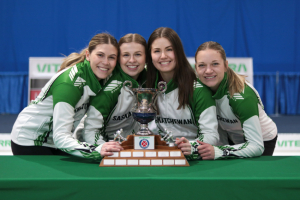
132,67
210,77
103,69
165,62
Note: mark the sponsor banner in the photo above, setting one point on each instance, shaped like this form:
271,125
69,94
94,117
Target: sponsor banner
5,142
41,69
243,66
44,67
288,142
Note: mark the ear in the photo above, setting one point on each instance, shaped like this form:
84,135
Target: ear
226,65
87,55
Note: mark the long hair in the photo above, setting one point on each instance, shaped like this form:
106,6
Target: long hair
236,82
184,75
101,38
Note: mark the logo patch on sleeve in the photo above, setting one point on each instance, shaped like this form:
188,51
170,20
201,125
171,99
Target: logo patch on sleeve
114,85
80,82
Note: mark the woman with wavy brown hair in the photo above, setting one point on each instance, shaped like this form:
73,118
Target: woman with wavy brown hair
186,108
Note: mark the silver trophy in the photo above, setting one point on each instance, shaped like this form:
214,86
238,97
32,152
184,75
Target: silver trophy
144,111
118,135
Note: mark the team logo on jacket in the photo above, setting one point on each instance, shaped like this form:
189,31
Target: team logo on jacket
113,86
144,143
197,85
80,82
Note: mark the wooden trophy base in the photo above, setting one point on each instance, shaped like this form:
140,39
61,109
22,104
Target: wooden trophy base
161,156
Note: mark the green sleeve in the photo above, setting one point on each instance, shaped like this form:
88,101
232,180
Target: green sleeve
67,93
245,104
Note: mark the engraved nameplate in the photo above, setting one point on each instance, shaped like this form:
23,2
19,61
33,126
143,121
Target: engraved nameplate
125,154
156,162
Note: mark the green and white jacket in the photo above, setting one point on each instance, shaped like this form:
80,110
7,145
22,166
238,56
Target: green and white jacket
243,120
110,111
52,117
196,121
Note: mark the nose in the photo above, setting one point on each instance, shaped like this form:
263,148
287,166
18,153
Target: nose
163,55
208,69
105,61
132,59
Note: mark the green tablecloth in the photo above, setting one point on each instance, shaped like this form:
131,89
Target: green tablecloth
64,177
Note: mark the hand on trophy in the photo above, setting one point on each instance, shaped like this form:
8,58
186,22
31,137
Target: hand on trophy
109,147
184,145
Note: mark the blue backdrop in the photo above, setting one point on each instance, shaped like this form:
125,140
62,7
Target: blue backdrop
266,30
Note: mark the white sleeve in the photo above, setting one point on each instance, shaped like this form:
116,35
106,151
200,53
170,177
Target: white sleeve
63,120
208,126
94,127
251,148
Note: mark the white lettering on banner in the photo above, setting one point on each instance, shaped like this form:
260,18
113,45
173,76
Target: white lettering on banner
243,66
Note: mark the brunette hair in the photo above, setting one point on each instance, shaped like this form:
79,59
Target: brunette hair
101,38
236,82
184,75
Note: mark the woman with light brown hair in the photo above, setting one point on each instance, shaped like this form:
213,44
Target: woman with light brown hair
186,108
46,126
244,127
104,120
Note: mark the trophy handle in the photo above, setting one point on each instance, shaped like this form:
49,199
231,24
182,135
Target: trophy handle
129,84
162,87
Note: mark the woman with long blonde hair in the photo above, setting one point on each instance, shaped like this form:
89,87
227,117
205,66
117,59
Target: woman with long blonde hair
244,127
46,126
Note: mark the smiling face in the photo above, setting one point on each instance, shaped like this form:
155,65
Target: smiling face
132,58
103,60
163,58
210,68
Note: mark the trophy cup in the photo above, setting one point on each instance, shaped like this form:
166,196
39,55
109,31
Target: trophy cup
144,111
144,148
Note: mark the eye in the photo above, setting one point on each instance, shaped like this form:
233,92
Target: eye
138,54
101,55
201,65
125,55
169,49
215,64
112,57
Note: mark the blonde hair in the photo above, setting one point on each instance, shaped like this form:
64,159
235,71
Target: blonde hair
236,82
74,58
133,37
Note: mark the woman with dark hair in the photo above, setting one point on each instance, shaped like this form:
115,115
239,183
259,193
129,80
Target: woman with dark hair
244,127
186,109
104,120
45,127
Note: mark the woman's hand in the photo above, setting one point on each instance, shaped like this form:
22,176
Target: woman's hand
109,147
184,145
206,151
